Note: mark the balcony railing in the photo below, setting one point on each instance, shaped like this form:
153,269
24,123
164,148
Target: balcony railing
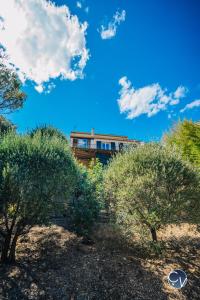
91,146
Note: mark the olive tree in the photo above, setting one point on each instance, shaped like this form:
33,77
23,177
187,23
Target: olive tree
35,172
151,186
11,95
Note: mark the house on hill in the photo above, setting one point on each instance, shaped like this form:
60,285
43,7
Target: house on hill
90,145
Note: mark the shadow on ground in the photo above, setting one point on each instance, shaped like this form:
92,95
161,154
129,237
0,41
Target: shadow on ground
186,254
54,264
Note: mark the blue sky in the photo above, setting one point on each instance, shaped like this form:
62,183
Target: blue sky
157,43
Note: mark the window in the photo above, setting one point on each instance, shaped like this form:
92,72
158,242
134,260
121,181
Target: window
113,146
102,145
105,146
83,143
98,144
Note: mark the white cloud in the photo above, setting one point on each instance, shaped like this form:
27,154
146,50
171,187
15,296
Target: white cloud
180,92
39,88
193,104
79,4
43,41
109,31
46,88
147,100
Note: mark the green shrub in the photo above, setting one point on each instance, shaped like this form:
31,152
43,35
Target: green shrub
35,173
95,175
151,186
85,205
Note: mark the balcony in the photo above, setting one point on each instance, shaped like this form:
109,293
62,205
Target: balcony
99,145
92,146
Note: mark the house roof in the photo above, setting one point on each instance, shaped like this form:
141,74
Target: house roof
91,135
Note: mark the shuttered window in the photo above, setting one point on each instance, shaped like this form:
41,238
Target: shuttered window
98,144
113,147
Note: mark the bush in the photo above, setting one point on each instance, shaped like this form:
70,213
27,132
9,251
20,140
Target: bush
85,205
35,173
95,175
150,186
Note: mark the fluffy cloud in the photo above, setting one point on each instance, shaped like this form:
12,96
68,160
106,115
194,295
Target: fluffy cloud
147,100
43,41
180,92
109,31
191,105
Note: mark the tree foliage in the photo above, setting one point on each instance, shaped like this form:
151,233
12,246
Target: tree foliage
85,206
95,175
11,95
150,186
185,136
6,126
48,131
35,173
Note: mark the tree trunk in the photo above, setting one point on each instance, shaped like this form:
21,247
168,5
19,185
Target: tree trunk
13,249
5,248
154,234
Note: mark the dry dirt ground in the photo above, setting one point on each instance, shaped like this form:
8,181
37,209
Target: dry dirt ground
53,263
